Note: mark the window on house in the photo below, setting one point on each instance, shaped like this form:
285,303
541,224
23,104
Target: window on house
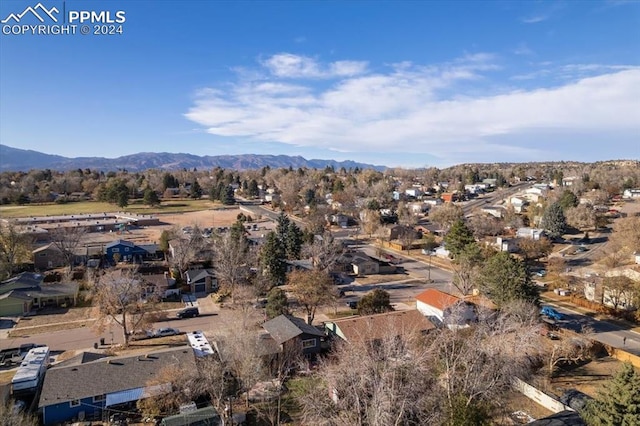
309,343
74,403
126,249
115,250
98,398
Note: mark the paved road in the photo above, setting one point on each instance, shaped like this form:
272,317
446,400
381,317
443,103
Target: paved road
84,338
603,331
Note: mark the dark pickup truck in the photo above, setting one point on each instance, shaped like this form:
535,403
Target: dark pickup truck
14,356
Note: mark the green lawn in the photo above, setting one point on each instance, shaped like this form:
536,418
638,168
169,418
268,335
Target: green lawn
82,207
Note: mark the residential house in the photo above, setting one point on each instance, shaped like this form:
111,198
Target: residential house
446,309
362,264
48,257
127,251
531,233
413,192
91,390
569,180
506,244
162,285
201,281
449,197
432,201
20,294
518,203
419,208
290,332
380,326
396,232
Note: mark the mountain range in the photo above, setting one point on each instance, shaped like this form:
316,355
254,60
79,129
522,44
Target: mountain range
15,159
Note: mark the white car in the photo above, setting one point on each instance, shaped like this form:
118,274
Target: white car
167,331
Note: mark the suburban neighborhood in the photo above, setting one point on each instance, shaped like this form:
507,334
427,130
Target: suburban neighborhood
137,318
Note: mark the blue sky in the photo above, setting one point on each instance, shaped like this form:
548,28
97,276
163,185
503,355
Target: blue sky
395,83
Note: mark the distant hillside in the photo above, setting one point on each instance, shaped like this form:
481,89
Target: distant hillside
14,159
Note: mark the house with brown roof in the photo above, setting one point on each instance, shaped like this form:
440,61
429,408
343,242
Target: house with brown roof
445,309
379,326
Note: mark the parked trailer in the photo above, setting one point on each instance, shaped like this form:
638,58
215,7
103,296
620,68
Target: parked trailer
29,375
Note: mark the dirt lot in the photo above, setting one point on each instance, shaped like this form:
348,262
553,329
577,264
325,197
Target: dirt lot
210,218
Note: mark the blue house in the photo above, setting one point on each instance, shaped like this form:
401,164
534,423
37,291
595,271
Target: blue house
126,251
89,387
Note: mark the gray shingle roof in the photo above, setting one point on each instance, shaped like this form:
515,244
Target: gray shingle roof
285,327
104,376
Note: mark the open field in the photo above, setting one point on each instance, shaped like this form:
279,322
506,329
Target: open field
82,207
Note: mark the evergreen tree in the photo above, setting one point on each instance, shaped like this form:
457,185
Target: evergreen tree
214,193
196,190
277,303
227,197
293,241
505,278
150,197
458,237
376,302
252,188
554,221
618,403
568,200
169,181
272,260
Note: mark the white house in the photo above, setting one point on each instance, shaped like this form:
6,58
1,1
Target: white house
532,233
518,203
443,308
631,193
413,192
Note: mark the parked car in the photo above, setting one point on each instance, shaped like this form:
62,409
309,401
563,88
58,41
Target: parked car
548,311
188,313
352,305
541,273
167,331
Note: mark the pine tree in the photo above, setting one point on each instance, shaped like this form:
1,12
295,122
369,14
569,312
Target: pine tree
554,221
272,259
618,403
505,278
196,190
150,197
226,196
458,237
293,242
277,303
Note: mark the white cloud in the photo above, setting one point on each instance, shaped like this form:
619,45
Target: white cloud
288,65
417,109
535,19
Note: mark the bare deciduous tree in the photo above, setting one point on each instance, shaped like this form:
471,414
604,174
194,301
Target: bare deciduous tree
121,299
232,262
67,240
324,252
445,215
